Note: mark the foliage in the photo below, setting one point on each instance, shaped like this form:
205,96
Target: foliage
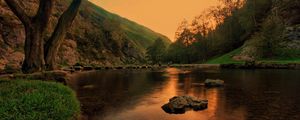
218,30
108,37
227,59
100,37
139,34
272,41
34,100
266,42
156,51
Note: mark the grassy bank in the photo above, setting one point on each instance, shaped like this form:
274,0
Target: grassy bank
34,100
227,59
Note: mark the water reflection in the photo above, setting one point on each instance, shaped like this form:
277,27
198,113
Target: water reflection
139,95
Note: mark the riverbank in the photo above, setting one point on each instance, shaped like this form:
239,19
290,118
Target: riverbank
35,99
63,74
50,76
133,67
261,65
140,94
245,65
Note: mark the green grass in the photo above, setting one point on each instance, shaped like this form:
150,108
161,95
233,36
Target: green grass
140,34
226,58
36,100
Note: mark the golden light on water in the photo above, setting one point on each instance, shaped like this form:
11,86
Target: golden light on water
162,16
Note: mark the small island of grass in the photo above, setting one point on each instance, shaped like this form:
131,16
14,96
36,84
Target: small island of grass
34,100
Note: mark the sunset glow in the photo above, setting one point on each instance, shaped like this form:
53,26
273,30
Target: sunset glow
162,16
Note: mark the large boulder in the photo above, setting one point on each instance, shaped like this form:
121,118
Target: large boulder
214,83
181,104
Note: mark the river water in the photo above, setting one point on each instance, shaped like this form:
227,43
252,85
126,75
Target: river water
139,94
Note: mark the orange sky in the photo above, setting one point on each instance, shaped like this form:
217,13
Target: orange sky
162,16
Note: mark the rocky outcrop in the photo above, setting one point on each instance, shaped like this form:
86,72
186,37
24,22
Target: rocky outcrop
96,37
181,104
291,37
278,35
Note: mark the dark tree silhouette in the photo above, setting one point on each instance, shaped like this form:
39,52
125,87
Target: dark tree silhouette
38,54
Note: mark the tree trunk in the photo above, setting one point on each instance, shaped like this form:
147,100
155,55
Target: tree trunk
53,44
35,28
34,56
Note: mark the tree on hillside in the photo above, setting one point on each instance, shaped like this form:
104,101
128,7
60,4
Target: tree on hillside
156,51
182,26
218,30
40,54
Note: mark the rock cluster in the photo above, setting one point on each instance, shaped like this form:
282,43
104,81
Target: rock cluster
181,104
213,83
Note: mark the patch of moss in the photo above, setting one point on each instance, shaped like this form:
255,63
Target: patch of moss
35,100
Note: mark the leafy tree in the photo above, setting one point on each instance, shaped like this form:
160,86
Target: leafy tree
156,51
218,30
38,53
268,42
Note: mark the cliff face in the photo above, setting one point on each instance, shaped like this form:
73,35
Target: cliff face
11,38
96,37
279,33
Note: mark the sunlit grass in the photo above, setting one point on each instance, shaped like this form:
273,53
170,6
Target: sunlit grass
226,59
35,100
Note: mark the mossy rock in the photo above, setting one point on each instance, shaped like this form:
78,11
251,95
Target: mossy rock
11,68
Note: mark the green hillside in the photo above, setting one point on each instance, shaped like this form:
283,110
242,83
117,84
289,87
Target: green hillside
97,37
140,34
227,59
264,30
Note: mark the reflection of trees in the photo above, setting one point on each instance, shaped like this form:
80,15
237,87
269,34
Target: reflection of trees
113,90
248,94
262,94
220,107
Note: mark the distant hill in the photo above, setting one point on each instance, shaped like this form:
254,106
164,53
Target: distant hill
141,34
96,37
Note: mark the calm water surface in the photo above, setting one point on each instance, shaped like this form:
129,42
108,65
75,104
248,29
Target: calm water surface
139,94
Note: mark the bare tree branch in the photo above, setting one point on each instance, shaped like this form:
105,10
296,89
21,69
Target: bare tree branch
64,23
44,13
19,12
